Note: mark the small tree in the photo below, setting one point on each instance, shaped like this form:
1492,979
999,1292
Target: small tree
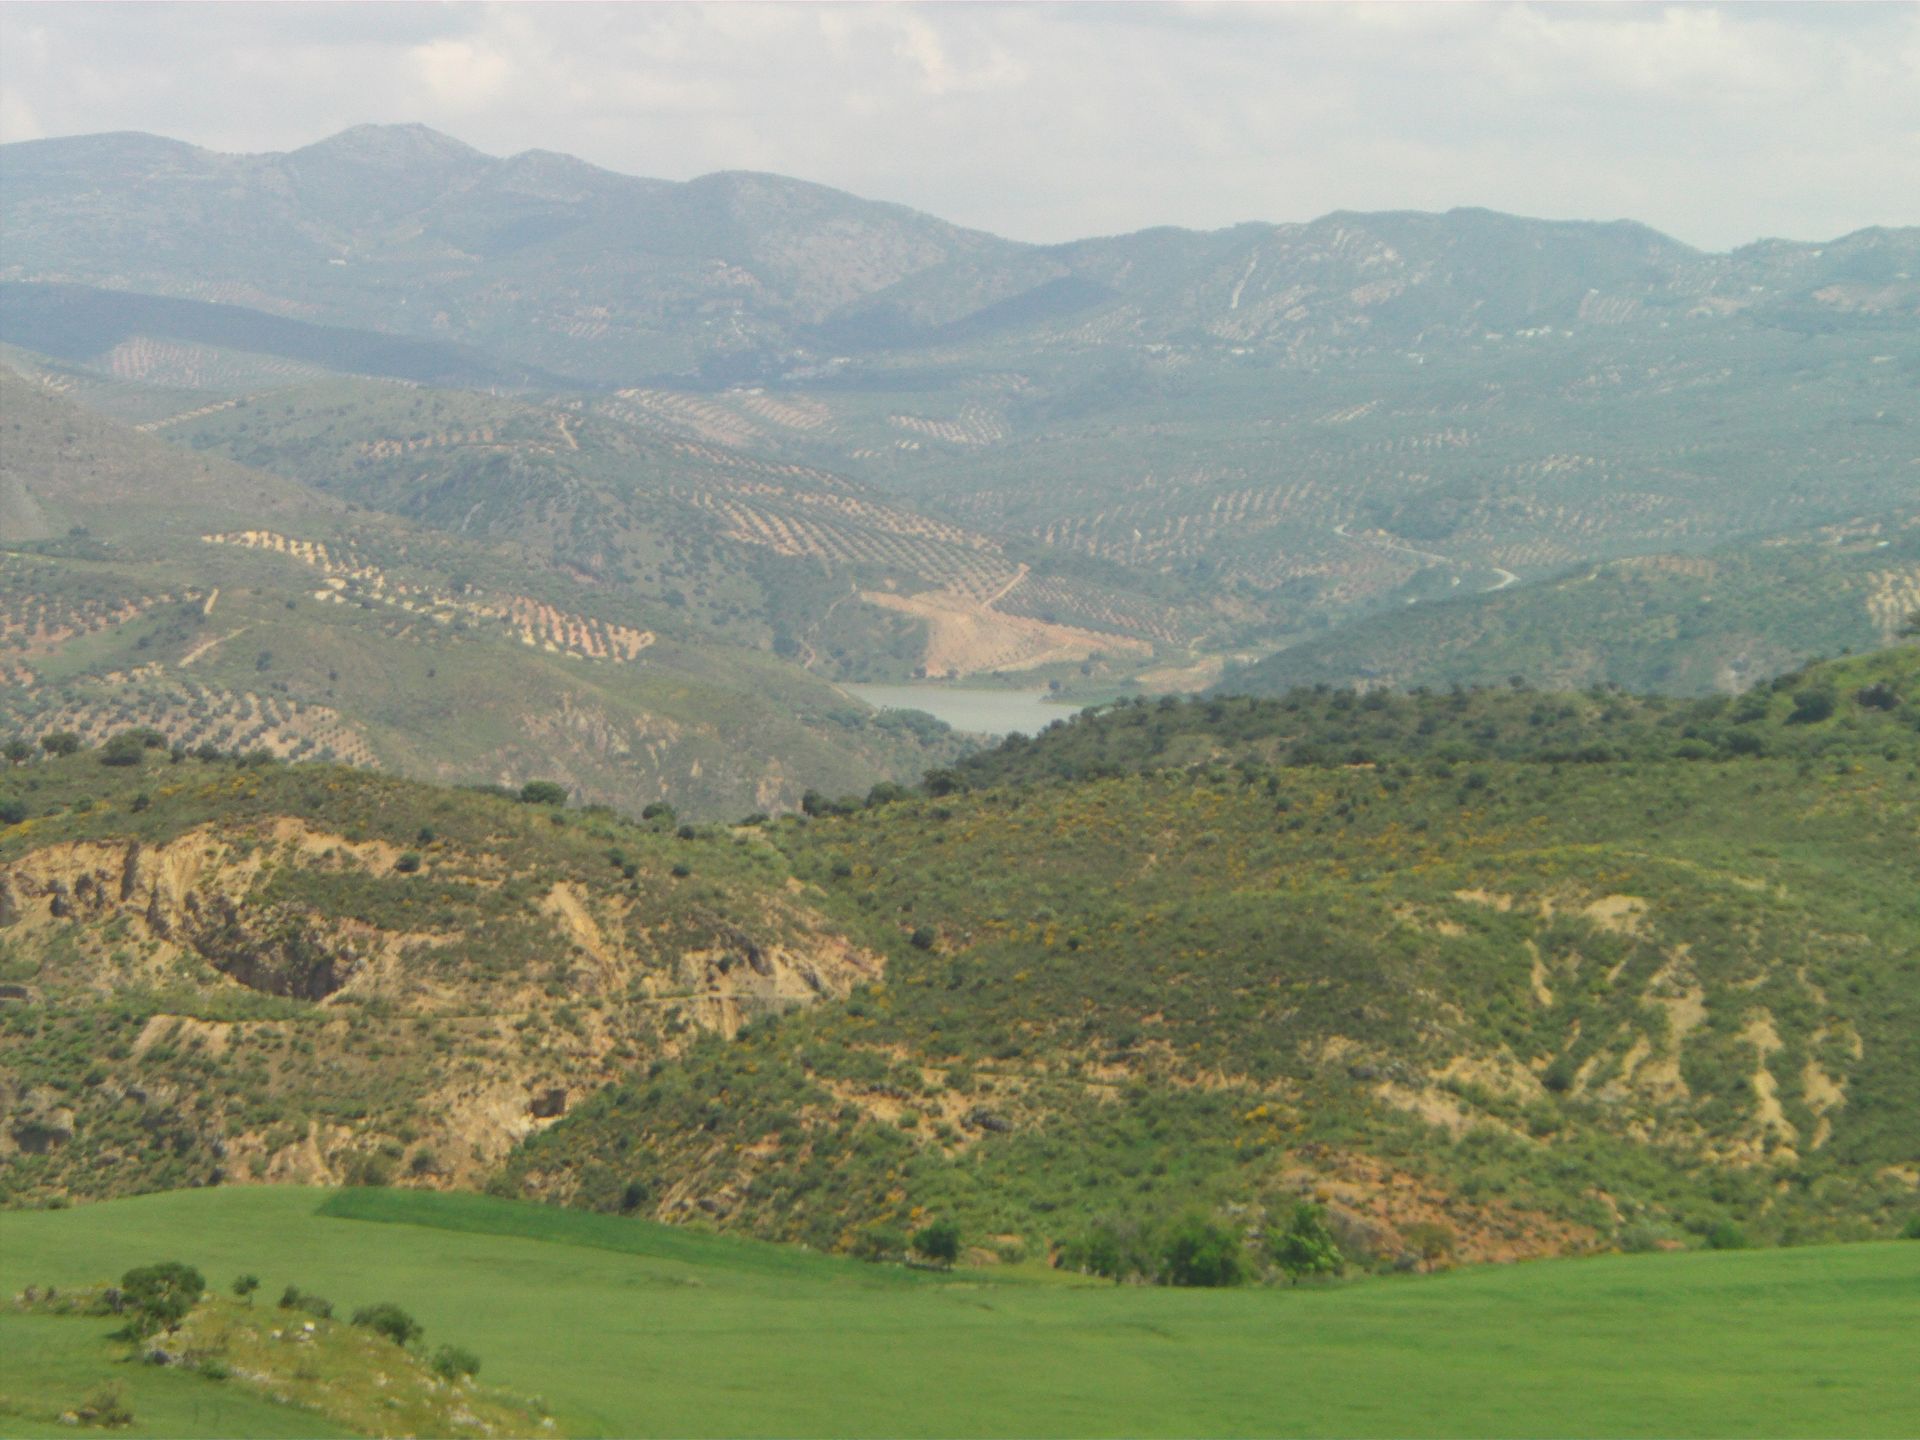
123,749
1306,1247
938,1242
543,792
1198,1252
245,1285
1812,705
389,1320
17,751
160,1296
60,742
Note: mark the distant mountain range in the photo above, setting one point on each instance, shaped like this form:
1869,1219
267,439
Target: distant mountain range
609,278
757,414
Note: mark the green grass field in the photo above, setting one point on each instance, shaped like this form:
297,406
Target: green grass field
630,1328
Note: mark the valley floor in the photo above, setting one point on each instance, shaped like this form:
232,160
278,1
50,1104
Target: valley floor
626,1327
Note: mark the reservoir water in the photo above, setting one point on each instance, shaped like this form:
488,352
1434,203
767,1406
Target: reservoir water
976,711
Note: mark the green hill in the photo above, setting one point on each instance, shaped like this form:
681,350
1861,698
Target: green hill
1489,974
1683,624
626,1330
1541,996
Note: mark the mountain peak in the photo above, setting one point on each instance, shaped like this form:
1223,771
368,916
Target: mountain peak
392,144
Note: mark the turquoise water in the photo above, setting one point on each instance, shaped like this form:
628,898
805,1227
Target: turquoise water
977,711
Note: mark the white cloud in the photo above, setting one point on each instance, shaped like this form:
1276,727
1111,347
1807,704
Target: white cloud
461,74
1048,122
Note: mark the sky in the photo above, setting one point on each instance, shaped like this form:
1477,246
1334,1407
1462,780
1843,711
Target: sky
1717,124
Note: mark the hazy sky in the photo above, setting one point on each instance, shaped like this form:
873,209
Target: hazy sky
1716,124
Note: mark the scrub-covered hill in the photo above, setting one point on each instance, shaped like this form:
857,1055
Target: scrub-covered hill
1491,996
230,972
1527,976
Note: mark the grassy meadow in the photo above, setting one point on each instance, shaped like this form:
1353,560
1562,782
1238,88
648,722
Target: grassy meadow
625,1327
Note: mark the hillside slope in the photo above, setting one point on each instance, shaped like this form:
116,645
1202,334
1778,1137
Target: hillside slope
1530,976
218,972
1678,623
231,606
1539,1002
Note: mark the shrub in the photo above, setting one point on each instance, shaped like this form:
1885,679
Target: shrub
879,1241
1642,1239
1812,705
1878,696
1307,1247
543,792
105,1409
1726,1236
245,1285
293,1298
938,1242
451,1362
60,742
160,1296
389,1320
1198,1252
1430,1240
1911,1230
408,863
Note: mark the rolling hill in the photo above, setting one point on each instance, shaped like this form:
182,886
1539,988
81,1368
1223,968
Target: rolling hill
1491,975
1679,623
146,584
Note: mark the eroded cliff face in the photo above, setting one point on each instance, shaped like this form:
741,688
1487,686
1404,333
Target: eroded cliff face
284,1002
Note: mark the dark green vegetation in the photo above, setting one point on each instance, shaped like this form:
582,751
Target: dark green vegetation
628,1328
750,412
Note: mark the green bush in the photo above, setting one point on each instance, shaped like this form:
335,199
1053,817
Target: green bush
938,1242
389,1320
293,1298
543,792
158,1297
1306,1248
450,1362
1198,1252
1726,1235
